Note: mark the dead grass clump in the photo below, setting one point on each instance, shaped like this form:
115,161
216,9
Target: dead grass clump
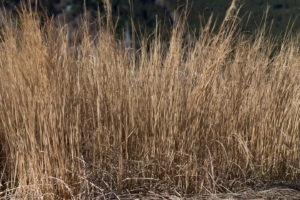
89,119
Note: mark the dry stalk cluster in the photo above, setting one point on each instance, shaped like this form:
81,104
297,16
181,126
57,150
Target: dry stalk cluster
88,119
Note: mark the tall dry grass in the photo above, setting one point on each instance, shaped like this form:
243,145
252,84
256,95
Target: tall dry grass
86,119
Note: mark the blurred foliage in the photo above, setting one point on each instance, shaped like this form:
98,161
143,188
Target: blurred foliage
146,13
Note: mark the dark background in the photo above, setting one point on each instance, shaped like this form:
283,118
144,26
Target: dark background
145,12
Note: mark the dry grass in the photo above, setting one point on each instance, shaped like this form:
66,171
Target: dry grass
90,119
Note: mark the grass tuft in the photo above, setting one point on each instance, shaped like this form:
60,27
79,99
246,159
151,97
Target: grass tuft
90,118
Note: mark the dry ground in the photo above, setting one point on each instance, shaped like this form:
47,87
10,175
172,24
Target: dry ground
280,191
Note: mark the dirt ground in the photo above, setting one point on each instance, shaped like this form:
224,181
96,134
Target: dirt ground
276,192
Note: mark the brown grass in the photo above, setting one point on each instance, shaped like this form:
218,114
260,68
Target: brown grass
89,119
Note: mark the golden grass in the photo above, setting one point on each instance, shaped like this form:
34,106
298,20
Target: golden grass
88,119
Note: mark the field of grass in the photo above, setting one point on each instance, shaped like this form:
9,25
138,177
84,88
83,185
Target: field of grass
88,118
